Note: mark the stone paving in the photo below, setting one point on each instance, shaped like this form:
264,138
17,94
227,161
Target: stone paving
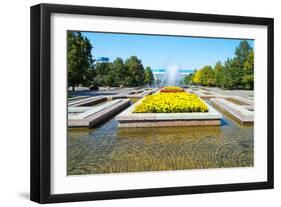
102,91
87,101
227,100
247,94
206,94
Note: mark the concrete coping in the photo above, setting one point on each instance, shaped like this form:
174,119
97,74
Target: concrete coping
77,98
203,94
92,110
78,109
92,117
244,113
87,101
142,94
128,115
246,101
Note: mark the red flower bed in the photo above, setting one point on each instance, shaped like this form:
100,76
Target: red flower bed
171,90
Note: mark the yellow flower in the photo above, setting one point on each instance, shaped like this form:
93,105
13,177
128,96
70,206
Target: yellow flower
171,103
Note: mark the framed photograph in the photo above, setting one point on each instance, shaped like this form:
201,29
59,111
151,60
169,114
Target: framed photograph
132,103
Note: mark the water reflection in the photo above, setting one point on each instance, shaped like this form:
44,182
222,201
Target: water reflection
109,149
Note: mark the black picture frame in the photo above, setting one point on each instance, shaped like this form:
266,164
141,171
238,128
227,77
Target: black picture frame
41,98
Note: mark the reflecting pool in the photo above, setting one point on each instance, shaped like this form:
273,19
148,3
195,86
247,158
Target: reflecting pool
109,149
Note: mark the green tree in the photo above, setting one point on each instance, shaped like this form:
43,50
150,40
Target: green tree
218,70
120,72
135,71
232,75
207,76
242,52
197,77
105,74
248,67
79,60
148,76
236,72
188,79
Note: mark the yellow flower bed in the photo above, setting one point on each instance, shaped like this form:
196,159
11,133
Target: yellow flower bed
171,103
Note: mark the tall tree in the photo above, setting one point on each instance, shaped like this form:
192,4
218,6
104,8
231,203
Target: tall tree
79,59
236,72
242,52
248,67
197,77
135,71
207,76
149,78
233,74
218,69
105,74
120,72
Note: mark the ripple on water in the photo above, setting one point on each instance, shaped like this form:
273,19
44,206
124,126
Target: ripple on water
109,149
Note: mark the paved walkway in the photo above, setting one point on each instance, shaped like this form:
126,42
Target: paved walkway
102,91
247,94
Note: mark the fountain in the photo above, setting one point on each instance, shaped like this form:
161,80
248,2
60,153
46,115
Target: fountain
172,75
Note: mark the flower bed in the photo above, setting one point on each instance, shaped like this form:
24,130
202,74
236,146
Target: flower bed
171,89
171,103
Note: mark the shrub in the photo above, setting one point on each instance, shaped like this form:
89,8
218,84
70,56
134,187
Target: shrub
94,87
171,103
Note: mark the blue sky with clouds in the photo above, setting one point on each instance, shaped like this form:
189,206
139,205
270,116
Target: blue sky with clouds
163,51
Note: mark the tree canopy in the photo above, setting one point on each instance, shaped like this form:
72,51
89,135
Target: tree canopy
207,76
82,70
120,73
148,76
136,71
236,72
79,60
197,77
248,66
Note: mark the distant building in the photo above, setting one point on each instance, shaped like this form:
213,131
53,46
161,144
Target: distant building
161,76
183,73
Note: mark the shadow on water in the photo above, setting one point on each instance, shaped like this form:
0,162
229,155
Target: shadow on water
223,122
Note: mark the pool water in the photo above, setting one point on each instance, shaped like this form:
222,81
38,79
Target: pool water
109,149
134,100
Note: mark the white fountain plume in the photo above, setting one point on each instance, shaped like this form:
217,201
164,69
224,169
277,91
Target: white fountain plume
172,75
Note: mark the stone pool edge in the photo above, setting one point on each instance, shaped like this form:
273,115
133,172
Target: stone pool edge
129,119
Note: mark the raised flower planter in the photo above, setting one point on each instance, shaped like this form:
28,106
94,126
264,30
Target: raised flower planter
169,109
171,103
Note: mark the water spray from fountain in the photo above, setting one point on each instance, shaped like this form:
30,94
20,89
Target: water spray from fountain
172,75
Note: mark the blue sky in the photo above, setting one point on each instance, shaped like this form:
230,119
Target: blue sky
163,51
